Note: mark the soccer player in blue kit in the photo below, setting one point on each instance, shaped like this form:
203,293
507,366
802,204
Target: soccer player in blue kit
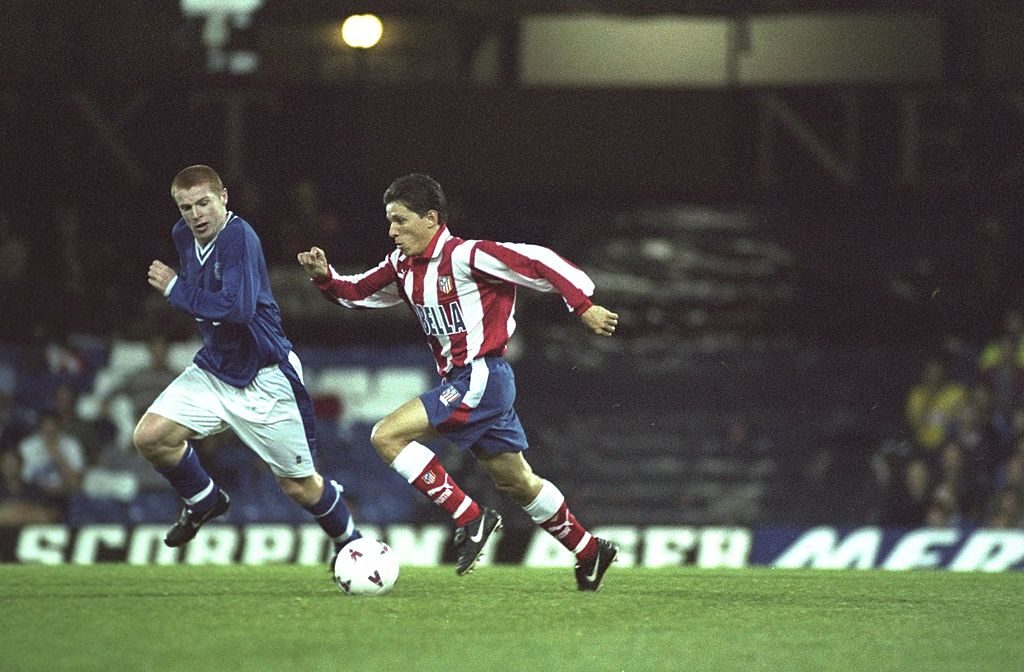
245,377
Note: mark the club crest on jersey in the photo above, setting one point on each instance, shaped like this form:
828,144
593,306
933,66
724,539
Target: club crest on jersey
445,284
449,396
216,269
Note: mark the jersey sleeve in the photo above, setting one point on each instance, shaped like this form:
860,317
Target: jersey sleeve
236,299
375,288
535,267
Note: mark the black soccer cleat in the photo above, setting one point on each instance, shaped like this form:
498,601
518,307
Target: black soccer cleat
590,573
470,539
189,521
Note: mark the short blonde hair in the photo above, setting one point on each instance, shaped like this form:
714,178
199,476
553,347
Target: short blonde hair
194,176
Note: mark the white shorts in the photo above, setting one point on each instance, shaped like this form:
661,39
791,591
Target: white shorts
266,414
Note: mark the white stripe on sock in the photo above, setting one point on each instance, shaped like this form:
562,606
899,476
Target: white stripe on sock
203,494
337,497
349,529
466,501
583,543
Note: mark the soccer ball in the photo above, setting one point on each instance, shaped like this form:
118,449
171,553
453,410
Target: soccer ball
366,567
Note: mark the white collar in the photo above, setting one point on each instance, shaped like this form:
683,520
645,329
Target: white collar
203,251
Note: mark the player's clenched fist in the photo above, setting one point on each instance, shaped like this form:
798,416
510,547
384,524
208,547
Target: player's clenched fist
600,320
314,263
160,275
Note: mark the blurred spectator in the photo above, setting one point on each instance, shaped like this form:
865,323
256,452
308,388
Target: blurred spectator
93,435
144,384
63,359
962,359
1004,381
1017,425
50,359
116,471
910,495
1012,331
1007,510
21,503
1010,473
52,461
943,508
119,473
933,405
951,467
980,451
1008,503
122,405
16,420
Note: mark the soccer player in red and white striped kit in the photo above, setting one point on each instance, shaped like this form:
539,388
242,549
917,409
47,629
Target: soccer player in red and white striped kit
463,293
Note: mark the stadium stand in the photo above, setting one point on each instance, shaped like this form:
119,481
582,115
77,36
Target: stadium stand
737,392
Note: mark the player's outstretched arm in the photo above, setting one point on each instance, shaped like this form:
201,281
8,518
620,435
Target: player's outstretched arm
314,263
600,320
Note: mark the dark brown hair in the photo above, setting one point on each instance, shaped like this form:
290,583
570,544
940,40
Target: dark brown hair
420,193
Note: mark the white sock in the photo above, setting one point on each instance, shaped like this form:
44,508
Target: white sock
413,459
546,503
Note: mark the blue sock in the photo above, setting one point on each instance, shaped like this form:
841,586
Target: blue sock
332,514
191,482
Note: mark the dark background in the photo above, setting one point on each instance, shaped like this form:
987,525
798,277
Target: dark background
756,279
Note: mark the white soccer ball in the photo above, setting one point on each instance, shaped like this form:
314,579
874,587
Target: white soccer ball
366,567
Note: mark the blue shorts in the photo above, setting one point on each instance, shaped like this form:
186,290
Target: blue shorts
472,407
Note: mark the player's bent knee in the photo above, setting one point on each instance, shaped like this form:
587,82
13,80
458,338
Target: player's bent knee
520,487
147,438
290,487
158,441
513,476
304,491
375,435
384,442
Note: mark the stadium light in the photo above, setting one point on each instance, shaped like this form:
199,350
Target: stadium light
362,31
220,17
240,11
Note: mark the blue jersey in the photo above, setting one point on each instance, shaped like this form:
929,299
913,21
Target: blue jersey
226,288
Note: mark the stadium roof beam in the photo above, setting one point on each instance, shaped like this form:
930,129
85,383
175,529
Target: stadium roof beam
513,9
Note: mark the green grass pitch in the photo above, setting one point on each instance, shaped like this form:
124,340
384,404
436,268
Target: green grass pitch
266,618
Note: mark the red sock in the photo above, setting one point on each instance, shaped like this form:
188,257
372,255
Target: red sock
564,527
441,489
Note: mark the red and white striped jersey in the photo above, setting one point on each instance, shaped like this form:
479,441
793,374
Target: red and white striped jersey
462,291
